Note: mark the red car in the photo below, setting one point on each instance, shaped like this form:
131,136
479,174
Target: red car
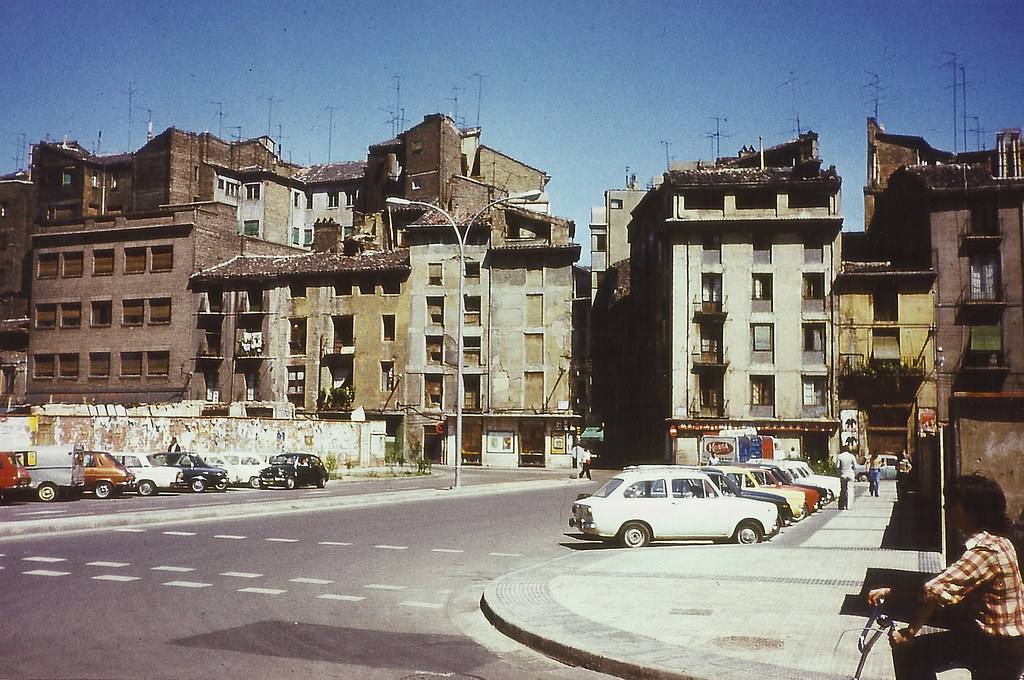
766,478
13,473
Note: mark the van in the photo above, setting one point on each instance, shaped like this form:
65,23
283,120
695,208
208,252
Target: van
13,475
104,475
56,471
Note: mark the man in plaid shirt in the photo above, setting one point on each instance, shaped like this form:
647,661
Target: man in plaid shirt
986,579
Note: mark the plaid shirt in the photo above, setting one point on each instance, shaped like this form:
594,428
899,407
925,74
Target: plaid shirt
988,578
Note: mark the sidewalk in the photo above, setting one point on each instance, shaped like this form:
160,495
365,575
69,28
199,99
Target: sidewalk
717,611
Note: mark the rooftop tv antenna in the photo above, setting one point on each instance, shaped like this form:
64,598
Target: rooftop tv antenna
396,123
270,104
220,119
479,93
791,81
716,136
875,88
955,63
667,164
131,94
455,98
330,129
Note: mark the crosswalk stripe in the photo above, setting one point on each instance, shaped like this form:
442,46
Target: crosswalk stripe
109,565
262,591
115,577
175,569
241,574
187,584
381,586
314,581
230,537
44,559
343,598
47,572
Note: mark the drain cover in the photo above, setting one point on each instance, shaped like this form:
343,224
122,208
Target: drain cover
744,642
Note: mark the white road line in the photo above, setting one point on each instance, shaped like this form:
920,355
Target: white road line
420,605
241,574
231,537
44,559
174,569
188,584
115,577
342,598
333,543
281,540
109,565
262,591
501,554
314,581
381,586
46,572
392,547
130,530
447,550
179,533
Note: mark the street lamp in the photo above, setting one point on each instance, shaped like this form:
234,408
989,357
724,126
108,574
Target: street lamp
460,238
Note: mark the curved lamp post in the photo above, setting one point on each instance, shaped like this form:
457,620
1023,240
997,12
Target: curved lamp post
460,238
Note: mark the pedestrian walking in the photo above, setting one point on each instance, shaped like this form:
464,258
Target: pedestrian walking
174,446
986,578
582,456
846,461
903,468
874,472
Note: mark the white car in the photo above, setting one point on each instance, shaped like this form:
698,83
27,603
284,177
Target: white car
887,471
802,472
150,474
669,502
243,468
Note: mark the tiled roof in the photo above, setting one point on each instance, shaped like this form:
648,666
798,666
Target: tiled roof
953,176
279,266
523,246
732,176
331,172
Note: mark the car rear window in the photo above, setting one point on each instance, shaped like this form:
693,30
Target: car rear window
648,488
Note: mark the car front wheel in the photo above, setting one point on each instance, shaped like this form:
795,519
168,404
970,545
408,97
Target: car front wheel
748,533
47,493
198,484
635,535
254,482
221,485
289,483
146,488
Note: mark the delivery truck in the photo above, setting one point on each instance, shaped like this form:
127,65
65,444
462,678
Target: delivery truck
56,471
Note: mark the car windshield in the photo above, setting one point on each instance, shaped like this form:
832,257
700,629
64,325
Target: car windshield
606,490
284,460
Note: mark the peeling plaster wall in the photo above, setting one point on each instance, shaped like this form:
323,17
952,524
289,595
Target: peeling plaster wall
360,443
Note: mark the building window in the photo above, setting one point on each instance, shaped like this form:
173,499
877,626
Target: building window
885,304
99,364
212,387
814,390
8,375
46,316
472,271
615,203
134,260
133,312
763,341
297,336
367,286
70,314
131,364
471,350
534,310
343,286
68,366
762,390
44,366
158,363
159,311
985,277
762,249
711,292
251,228
814,251
433,390
297,289
885,345
435,311
434,274
471,392
814,337
102,262
599,244
472,314
814,286
387,376
387,327
434,350
252,192
72,265
66,178
48,266
344,331
296,384
332,199
163,258
391,286
761,295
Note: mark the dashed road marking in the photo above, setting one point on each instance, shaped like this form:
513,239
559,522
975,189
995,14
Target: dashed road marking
109,565
47,572
262,591
130,530
342,598
333,543
187,584
382,586
502,554
392,547
179,533
174,569
421,605
281,540
119,578
447,550
314,581
231,537
241,574
44,559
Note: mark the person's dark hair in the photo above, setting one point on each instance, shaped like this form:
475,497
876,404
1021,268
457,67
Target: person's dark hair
983,499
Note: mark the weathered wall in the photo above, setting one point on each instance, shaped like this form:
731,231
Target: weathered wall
993,447
358,443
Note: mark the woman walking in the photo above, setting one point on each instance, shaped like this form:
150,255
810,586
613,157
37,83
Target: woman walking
874,472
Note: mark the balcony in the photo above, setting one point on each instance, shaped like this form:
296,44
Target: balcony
718,407
709,360
979,236
976,302
888,381
709,310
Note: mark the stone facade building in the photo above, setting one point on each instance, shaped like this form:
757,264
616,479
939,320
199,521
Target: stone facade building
730,278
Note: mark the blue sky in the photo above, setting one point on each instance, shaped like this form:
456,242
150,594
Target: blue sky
580,89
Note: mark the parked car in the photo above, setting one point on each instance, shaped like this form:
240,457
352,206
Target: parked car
242,468
746,479
668,502
196,473
785,476
104,475
55,470
728,487
800,469
14,475
887,471
291,470
151,474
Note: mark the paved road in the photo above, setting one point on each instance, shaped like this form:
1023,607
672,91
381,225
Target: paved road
386,591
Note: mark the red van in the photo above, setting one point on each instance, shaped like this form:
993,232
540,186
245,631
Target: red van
13,473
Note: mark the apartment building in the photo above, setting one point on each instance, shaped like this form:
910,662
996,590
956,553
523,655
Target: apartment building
730,278
609,236
959,217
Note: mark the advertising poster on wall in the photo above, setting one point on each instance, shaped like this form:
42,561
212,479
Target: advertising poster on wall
850,437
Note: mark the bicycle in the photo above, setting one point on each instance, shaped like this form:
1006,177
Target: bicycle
877,624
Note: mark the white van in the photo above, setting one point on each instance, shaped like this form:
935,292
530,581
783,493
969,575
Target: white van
57,471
